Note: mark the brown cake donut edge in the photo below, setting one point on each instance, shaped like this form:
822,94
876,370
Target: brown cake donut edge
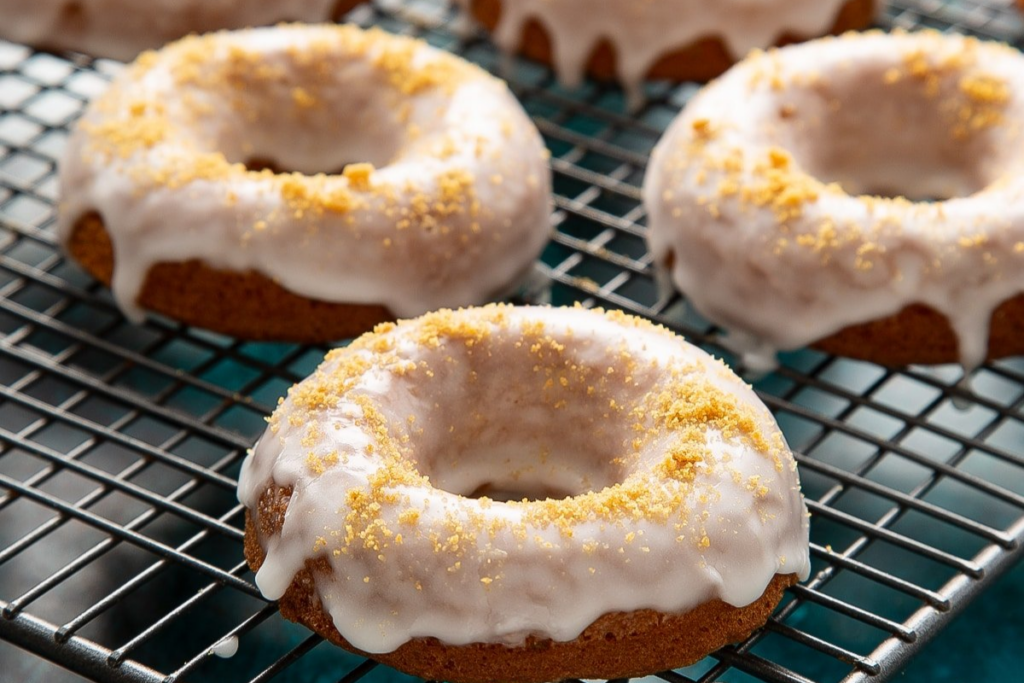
617,645
700,61
921,335
247,305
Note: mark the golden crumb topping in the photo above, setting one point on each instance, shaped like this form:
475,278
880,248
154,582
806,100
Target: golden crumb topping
972,99
780,187
359,176
216,71
210,62
734,165
681,417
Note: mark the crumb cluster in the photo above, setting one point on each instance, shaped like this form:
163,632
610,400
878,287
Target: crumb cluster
666,463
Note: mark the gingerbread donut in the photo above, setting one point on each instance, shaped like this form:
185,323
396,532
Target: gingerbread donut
864,194
444,198
121,29
524,495
626,40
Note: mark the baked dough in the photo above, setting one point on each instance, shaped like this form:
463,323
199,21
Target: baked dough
777,202
444,197
524,494
628,40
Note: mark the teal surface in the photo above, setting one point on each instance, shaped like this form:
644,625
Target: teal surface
873,405
986,643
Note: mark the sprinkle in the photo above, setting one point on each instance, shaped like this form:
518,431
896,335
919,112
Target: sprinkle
359,176
302,98
681,410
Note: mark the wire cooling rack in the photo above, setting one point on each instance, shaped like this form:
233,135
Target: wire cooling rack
120,534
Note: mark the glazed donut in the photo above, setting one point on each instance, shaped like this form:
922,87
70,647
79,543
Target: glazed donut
525,495
161,197
121,29
679,40
778,201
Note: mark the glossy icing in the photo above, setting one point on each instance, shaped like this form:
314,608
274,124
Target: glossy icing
642,31
225,648
683,488
448,205
121,29
759,193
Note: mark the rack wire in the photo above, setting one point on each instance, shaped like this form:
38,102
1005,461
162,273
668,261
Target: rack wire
120,534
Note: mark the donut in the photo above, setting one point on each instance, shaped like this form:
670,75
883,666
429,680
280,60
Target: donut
121,29
304,183
862,194
524,494
679,40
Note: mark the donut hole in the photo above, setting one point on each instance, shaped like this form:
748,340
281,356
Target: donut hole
520,489
525,451
289,114
264,164
530,435
282,143
922,139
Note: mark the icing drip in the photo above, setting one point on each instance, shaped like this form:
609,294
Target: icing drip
965,385
642,31
759,195
121,29
226,648
681,487
447,205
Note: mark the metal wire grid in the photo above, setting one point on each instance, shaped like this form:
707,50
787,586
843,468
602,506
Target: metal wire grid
120,536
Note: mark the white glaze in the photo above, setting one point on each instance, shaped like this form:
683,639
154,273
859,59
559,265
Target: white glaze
849,110
406,242
226,648
488,411
642,31
121,29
